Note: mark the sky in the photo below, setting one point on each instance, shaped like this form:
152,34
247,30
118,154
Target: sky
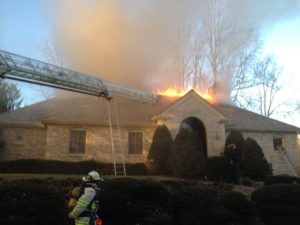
25,26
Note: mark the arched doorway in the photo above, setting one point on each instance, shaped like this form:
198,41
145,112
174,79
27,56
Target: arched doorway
193,124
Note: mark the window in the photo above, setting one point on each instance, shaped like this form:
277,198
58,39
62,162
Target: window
77,142
19,137
135,141
277,142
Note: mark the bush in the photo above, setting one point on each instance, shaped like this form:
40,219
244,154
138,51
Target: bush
124,201
278,204
136,202
160,150
237,209
194,205
186,158
253,163
62,167
215,168
31,202
283,179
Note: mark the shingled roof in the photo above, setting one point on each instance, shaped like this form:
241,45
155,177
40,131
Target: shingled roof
87,110
244,120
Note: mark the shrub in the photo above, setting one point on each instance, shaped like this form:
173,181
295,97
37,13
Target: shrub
160,150
278,204
253,163
215,168
194,205
62,167
185,158
236,208
284,179
136,202
31,202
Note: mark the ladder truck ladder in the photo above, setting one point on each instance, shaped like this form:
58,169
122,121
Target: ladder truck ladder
116,140
20,68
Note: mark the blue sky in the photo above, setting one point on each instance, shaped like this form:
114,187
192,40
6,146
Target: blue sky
23,29
26,24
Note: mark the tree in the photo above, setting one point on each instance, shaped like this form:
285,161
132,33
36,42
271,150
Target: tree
213,49
253,162
10,97
185,160
160,149
267,72
53,57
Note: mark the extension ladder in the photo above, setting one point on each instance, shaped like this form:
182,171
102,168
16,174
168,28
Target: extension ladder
116,141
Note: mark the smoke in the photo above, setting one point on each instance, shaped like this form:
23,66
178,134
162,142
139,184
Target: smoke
131,42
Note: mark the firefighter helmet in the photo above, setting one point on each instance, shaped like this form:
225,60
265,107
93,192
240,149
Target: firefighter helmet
93,176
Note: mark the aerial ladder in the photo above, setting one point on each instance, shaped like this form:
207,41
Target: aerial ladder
20,68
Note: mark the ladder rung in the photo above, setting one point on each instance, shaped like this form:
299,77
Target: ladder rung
119,165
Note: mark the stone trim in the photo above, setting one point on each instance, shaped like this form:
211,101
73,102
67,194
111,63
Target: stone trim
98,124
22,124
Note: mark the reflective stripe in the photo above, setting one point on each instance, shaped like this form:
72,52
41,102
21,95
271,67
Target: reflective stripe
94,205
76,211
82,202
82,221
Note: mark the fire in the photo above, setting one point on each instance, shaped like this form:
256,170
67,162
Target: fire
174,92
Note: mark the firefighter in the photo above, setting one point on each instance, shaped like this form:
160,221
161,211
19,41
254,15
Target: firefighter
87,196
233,154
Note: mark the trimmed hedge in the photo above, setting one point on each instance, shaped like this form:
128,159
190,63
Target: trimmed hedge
62,167
124,201
31,202
131,201
186,155
160,150
282,179
278,204
216,168
194,205
253,163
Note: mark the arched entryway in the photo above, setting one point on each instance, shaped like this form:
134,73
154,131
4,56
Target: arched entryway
193,124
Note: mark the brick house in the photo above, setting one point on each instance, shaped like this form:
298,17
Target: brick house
77,128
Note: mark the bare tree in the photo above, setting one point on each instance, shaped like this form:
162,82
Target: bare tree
267,72
53,57
213,49
187,50
243,77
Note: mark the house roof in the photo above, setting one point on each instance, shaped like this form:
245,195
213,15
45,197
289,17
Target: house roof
244,120
81,109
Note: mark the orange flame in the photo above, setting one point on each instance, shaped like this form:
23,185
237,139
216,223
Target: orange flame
174,92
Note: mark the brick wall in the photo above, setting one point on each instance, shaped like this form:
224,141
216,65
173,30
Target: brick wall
23,143
98,143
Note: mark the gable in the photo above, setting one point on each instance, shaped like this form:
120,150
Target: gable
189,105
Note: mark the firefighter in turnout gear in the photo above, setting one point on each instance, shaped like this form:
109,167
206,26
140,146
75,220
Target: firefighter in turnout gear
85,200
